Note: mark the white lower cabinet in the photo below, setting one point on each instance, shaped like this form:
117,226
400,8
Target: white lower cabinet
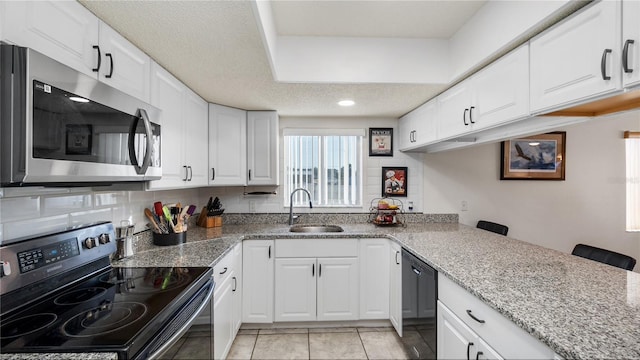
227,299
309,288
257,284
374,278
466,324
458,341
395,287
222,319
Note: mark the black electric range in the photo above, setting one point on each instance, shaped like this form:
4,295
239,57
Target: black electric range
60,294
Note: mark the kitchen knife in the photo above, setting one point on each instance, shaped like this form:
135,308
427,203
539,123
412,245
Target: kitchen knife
209,203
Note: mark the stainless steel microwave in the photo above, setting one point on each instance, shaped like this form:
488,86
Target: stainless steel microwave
62,127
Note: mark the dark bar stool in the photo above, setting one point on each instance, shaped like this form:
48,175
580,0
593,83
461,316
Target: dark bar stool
604,256
493,227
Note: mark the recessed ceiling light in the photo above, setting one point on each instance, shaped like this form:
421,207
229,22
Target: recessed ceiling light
346,102
534,143
78,99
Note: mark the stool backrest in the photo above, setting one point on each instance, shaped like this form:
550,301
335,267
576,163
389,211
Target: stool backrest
493,227
604,256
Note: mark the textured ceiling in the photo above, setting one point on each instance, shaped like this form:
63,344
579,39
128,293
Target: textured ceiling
215,48
404,19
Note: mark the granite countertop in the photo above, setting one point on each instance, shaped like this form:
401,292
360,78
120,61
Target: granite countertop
579,308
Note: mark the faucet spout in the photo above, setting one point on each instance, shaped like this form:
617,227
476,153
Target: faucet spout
291,203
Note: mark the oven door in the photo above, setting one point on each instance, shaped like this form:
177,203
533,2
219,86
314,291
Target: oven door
184,318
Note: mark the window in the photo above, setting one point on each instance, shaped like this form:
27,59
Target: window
328,163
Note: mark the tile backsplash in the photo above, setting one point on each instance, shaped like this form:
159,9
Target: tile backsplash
30,211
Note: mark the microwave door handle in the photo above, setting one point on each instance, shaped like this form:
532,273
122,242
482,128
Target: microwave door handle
140,169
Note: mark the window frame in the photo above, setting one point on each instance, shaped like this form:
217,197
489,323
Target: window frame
322,177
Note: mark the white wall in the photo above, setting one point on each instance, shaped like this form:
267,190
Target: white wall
235,202
588,207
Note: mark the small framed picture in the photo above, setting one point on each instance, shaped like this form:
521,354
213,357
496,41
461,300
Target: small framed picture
380,141
537,157
78,140
394,181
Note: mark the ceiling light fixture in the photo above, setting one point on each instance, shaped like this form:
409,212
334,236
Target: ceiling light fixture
534,143
78,99
346,102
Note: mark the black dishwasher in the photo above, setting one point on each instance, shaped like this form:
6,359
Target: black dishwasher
419,296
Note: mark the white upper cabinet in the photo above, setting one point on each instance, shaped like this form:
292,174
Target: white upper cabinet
630,43
184,122
227,146
63,30
497,94
578,59
124,66
418,128
262,151
454,111
501,90
69,33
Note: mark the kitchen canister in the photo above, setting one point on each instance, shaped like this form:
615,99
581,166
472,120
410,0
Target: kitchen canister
169,239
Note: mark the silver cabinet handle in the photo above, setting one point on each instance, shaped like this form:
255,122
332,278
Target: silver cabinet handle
190,172
625,56
397,253
603,64
471,114
475,318
186,173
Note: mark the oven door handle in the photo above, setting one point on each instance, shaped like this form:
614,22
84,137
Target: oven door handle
178,334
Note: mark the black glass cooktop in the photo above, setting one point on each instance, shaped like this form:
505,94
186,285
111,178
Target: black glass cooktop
102,313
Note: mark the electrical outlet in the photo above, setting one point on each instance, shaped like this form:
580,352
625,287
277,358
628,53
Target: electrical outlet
464,206
252,206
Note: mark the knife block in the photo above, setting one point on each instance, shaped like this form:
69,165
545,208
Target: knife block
208,221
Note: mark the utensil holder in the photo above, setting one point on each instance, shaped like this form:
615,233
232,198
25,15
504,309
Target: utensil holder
169,239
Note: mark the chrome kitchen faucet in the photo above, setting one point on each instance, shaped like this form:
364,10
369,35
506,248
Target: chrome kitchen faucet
291,203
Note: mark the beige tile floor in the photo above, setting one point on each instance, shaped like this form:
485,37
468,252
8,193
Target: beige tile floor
313,343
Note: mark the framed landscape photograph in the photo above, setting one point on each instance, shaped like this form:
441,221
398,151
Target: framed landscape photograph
380,141
537,157
394,181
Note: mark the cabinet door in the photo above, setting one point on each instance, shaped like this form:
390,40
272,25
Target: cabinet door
295,284
124,66
630,43
455,339
196,139
236,288
257,285
63,30
374,278
419,127
501,91
453,111
227,146
167,93
338,289
395,287
484,351
262,147
566,60
222,324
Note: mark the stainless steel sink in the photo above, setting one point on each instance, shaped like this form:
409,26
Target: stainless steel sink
315,228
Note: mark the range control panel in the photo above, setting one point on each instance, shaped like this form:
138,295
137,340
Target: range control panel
39,257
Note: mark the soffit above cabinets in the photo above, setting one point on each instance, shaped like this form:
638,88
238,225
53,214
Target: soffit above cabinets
379,53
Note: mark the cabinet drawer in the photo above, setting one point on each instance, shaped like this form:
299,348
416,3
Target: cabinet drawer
507,338
223,269
316,247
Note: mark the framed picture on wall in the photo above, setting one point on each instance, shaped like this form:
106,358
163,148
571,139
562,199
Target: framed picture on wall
537,157
380,141
394,181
